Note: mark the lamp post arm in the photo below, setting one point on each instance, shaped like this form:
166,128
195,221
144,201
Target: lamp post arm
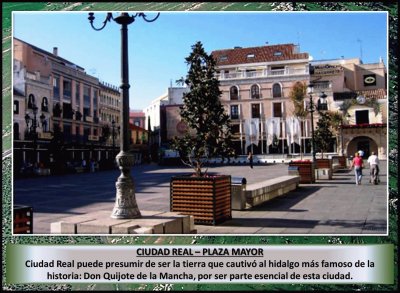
141,14
91,18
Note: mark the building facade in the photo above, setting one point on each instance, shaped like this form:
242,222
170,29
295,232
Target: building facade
255,84
67,101
357,92
110,118
137,118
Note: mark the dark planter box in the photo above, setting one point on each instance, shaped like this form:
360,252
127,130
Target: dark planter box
207,199
323,164
342,160
23,220
305,170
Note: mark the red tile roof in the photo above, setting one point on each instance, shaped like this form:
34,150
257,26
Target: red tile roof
260,54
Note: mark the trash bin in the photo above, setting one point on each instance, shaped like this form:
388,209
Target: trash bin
293,170
238,194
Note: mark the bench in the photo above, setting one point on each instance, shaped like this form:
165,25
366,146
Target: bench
261,192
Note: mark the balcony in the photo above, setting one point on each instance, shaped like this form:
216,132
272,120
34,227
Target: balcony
262,73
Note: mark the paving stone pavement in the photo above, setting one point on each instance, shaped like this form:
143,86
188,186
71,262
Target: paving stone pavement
328,207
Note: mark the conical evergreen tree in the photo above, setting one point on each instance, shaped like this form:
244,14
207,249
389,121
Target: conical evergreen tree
323,134
209,133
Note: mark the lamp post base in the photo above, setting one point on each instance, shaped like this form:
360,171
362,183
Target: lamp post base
125,202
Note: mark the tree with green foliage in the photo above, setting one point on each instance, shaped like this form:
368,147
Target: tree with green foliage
323,134
336,123
297,94
105,133
208,133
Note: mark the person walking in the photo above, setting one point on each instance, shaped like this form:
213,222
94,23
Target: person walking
92,166
357,163
250,158
373,168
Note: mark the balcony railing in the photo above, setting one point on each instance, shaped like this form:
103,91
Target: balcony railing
262,73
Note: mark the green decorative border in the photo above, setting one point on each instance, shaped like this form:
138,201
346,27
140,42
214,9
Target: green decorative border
392,238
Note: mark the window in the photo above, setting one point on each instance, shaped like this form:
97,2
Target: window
277,109
67,111
56,87
362,117
223,58
95,104
86,96
86,132
234,111
67,131
255,110
251,55
255,91
16,107
16,131
31,101
45,104
86,112
235,129
77,94
276,90
234,93
277,53
67,88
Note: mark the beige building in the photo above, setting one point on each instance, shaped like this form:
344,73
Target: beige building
255,84
109,112
358,92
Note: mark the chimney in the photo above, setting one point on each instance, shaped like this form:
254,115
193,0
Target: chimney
55,51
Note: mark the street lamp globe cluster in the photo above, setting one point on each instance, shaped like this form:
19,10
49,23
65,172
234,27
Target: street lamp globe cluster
32,124
322,105
125,202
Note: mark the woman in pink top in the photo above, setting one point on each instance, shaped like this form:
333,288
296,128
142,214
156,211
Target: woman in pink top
358,164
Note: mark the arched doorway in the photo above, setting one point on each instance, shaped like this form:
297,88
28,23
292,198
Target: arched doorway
363,143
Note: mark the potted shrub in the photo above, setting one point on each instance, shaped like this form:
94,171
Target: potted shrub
207,135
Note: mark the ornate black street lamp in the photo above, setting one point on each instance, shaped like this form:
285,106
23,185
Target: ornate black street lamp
32,124
322,106
113,137
311,109
125,202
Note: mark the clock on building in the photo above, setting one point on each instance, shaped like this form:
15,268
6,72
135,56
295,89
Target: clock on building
361,99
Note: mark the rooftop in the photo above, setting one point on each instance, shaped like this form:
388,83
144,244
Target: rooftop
272,53
55,57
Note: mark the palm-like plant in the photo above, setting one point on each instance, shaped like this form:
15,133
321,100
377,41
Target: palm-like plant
297,94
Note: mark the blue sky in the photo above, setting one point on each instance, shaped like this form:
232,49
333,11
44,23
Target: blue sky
157,50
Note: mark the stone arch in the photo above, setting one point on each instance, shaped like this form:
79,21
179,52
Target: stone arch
365,142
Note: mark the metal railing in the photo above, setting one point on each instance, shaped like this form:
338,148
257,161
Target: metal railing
262,73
